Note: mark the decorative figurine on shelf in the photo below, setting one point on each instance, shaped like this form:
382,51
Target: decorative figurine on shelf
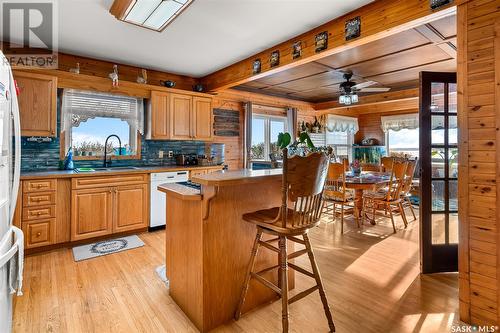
303,127
75,70
356,168
316,126
114,76
143,78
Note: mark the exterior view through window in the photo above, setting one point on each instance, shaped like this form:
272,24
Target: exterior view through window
265,130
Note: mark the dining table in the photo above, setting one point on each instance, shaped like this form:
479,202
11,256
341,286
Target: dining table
365,181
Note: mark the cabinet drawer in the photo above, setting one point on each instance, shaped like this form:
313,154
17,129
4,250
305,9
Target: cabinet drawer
42,185
39,233
94,182
37,213
39,199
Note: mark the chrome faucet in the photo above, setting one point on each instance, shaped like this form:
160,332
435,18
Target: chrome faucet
106,163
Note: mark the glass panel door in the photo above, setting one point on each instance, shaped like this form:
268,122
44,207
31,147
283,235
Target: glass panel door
439,172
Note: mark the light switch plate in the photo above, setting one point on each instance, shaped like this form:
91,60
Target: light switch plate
160,154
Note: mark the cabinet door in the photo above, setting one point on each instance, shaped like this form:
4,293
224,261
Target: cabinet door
37,104
180,117
91,213
202,118
131,208
159,115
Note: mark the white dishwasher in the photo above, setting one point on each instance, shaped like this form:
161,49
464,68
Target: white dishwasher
158,199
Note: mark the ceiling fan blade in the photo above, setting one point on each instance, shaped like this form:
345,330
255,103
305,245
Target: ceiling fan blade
381,89
362,85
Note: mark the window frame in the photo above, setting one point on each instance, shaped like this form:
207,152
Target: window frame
267,133
387,143
136,156
348,145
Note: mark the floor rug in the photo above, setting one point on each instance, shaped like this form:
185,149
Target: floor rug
105,247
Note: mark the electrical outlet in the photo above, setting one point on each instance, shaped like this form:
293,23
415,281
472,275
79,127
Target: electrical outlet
170,154
160,154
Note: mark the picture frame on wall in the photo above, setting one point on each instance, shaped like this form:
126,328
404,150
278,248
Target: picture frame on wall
353,28
439,3
321,41
274,60
256,66
297,50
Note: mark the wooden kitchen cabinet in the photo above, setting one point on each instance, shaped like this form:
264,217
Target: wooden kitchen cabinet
91,213
131,208
107,205
174,116
181,107
159,125
202,118
37,104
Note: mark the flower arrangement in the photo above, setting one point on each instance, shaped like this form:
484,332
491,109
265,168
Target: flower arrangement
356,167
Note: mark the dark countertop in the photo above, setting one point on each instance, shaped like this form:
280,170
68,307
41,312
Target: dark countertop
111,171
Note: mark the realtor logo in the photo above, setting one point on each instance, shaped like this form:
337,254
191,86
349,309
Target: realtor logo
29,33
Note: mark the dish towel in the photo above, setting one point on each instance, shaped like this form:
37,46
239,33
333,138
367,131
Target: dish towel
14,241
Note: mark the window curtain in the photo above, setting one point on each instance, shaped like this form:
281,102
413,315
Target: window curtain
342,124
292,119
248,135
78,106
399,122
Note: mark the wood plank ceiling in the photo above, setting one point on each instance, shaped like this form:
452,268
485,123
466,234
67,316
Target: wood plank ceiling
393,62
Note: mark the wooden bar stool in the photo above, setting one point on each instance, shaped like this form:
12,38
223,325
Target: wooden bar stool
303,181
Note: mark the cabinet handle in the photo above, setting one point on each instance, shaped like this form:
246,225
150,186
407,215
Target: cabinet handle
38,234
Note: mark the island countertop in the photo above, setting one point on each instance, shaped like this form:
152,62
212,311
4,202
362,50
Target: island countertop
237,177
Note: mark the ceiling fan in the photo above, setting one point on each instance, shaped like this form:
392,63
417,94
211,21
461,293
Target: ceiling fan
349,89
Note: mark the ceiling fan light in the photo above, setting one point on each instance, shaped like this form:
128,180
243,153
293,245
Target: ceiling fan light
348,100
342,99
354,98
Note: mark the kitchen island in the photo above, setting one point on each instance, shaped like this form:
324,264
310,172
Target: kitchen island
208,244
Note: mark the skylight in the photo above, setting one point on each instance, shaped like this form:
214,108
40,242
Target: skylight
151,14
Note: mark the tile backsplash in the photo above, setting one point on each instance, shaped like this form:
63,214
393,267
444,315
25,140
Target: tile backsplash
45,155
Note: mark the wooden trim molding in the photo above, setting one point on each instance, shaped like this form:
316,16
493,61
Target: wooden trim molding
379,19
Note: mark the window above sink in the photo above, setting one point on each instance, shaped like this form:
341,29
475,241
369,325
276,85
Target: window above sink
88,118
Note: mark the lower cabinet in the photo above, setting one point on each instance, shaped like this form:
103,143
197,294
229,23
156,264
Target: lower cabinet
39,233
92,213
107,210
131,208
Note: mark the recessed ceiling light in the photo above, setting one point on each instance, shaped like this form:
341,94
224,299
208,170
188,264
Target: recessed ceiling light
150,14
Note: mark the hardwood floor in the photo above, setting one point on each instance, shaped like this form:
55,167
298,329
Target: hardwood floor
371,278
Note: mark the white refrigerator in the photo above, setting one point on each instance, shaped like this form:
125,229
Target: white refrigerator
11,238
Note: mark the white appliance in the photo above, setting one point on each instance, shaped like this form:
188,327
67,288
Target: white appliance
11,238
158,199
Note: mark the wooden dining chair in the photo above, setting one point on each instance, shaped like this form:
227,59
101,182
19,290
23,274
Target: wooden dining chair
390,198
302,200
386,164
337,195
345,161
407,187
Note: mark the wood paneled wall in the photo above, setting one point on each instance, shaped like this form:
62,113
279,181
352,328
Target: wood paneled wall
234,100
370,125
101,68
479,195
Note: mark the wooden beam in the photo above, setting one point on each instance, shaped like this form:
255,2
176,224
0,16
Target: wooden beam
387,102
120,8
379,19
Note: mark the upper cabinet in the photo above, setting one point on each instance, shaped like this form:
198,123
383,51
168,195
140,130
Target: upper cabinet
174,116
37,104
159,115
181,117
202,118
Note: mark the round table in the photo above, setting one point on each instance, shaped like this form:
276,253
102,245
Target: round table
366,181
